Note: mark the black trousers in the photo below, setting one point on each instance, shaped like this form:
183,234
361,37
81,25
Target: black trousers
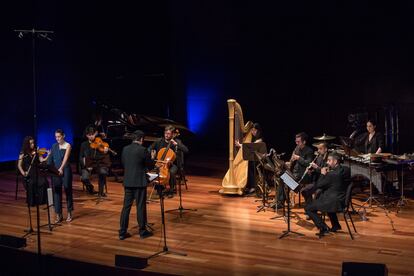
307,192
140,197
281,195
313,214
173,173
102,173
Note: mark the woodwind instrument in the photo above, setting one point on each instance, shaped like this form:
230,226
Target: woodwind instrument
291,162
308,168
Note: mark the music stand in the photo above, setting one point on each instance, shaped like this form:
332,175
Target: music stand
249,154
42,171
291,183
165,250
180,208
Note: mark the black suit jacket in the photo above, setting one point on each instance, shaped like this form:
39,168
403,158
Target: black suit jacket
135,159
306,157
333,186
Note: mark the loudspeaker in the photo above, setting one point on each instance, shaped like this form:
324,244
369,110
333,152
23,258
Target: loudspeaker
357,269
130,262
11,241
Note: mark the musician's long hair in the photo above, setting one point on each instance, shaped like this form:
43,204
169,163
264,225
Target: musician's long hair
259,133
26,145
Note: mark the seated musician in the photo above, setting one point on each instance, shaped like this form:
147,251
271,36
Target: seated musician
176,145
333,185
257,137
92,159
301,157
315,171
370,142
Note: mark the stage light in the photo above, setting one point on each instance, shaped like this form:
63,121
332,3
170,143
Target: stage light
199,106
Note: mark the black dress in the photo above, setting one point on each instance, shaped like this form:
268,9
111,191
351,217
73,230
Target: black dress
34,191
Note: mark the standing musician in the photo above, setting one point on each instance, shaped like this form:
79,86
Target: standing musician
135,158
91,157
314,170
333,184
29,159
301,157
257,137
176,145
59,158
371,141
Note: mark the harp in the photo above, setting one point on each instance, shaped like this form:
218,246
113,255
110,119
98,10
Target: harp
236,177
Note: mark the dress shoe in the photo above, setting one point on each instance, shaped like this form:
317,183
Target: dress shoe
124,236
58,218
145,234
322,232
69,218
90,189
102,195
336,228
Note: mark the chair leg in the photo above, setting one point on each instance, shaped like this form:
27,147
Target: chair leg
352,221
347,225
17,186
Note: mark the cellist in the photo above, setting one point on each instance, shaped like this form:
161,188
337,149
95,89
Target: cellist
91,158
177,146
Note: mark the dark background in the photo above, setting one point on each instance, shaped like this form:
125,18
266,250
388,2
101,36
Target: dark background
292,66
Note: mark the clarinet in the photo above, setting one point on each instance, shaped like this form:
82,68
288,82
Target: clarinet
295,151
308,168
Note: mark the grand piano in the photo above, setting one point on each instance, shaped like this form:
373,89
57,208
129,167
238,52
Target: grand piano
119,125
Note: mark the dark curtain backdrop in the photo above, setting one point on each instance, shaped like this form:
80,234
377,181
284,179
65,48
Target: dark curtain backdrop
292,66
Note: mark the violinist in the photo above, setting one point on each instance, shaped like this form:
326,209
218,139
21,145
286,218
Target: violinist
177,146
29,159
59,158
301,157
94,156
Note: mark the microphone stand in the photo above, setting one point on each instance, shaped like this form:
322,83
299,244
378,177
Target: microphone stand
45,35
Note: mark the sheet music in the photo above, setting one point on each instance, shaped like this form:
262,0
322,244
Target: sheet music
152,176
289,181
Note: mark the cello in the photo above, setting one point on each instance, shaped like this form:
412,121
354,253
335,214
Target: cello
165,157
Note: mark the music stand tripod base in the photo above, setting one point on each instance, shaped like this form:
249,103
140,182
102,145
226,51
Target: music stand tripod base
291,184
165,250
180,207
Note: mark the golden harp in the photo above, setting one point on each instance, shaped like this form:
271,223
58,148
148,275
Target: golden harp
236,177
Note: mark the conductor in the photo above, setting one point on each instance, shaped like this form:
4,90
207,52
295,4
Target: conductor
135,159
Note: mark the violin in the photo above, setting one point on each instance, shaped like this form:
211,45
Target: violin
43,151
100,145
40,152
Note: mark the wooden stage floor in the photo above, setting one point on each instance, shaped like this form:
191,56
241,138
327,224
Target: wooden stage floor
225,235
